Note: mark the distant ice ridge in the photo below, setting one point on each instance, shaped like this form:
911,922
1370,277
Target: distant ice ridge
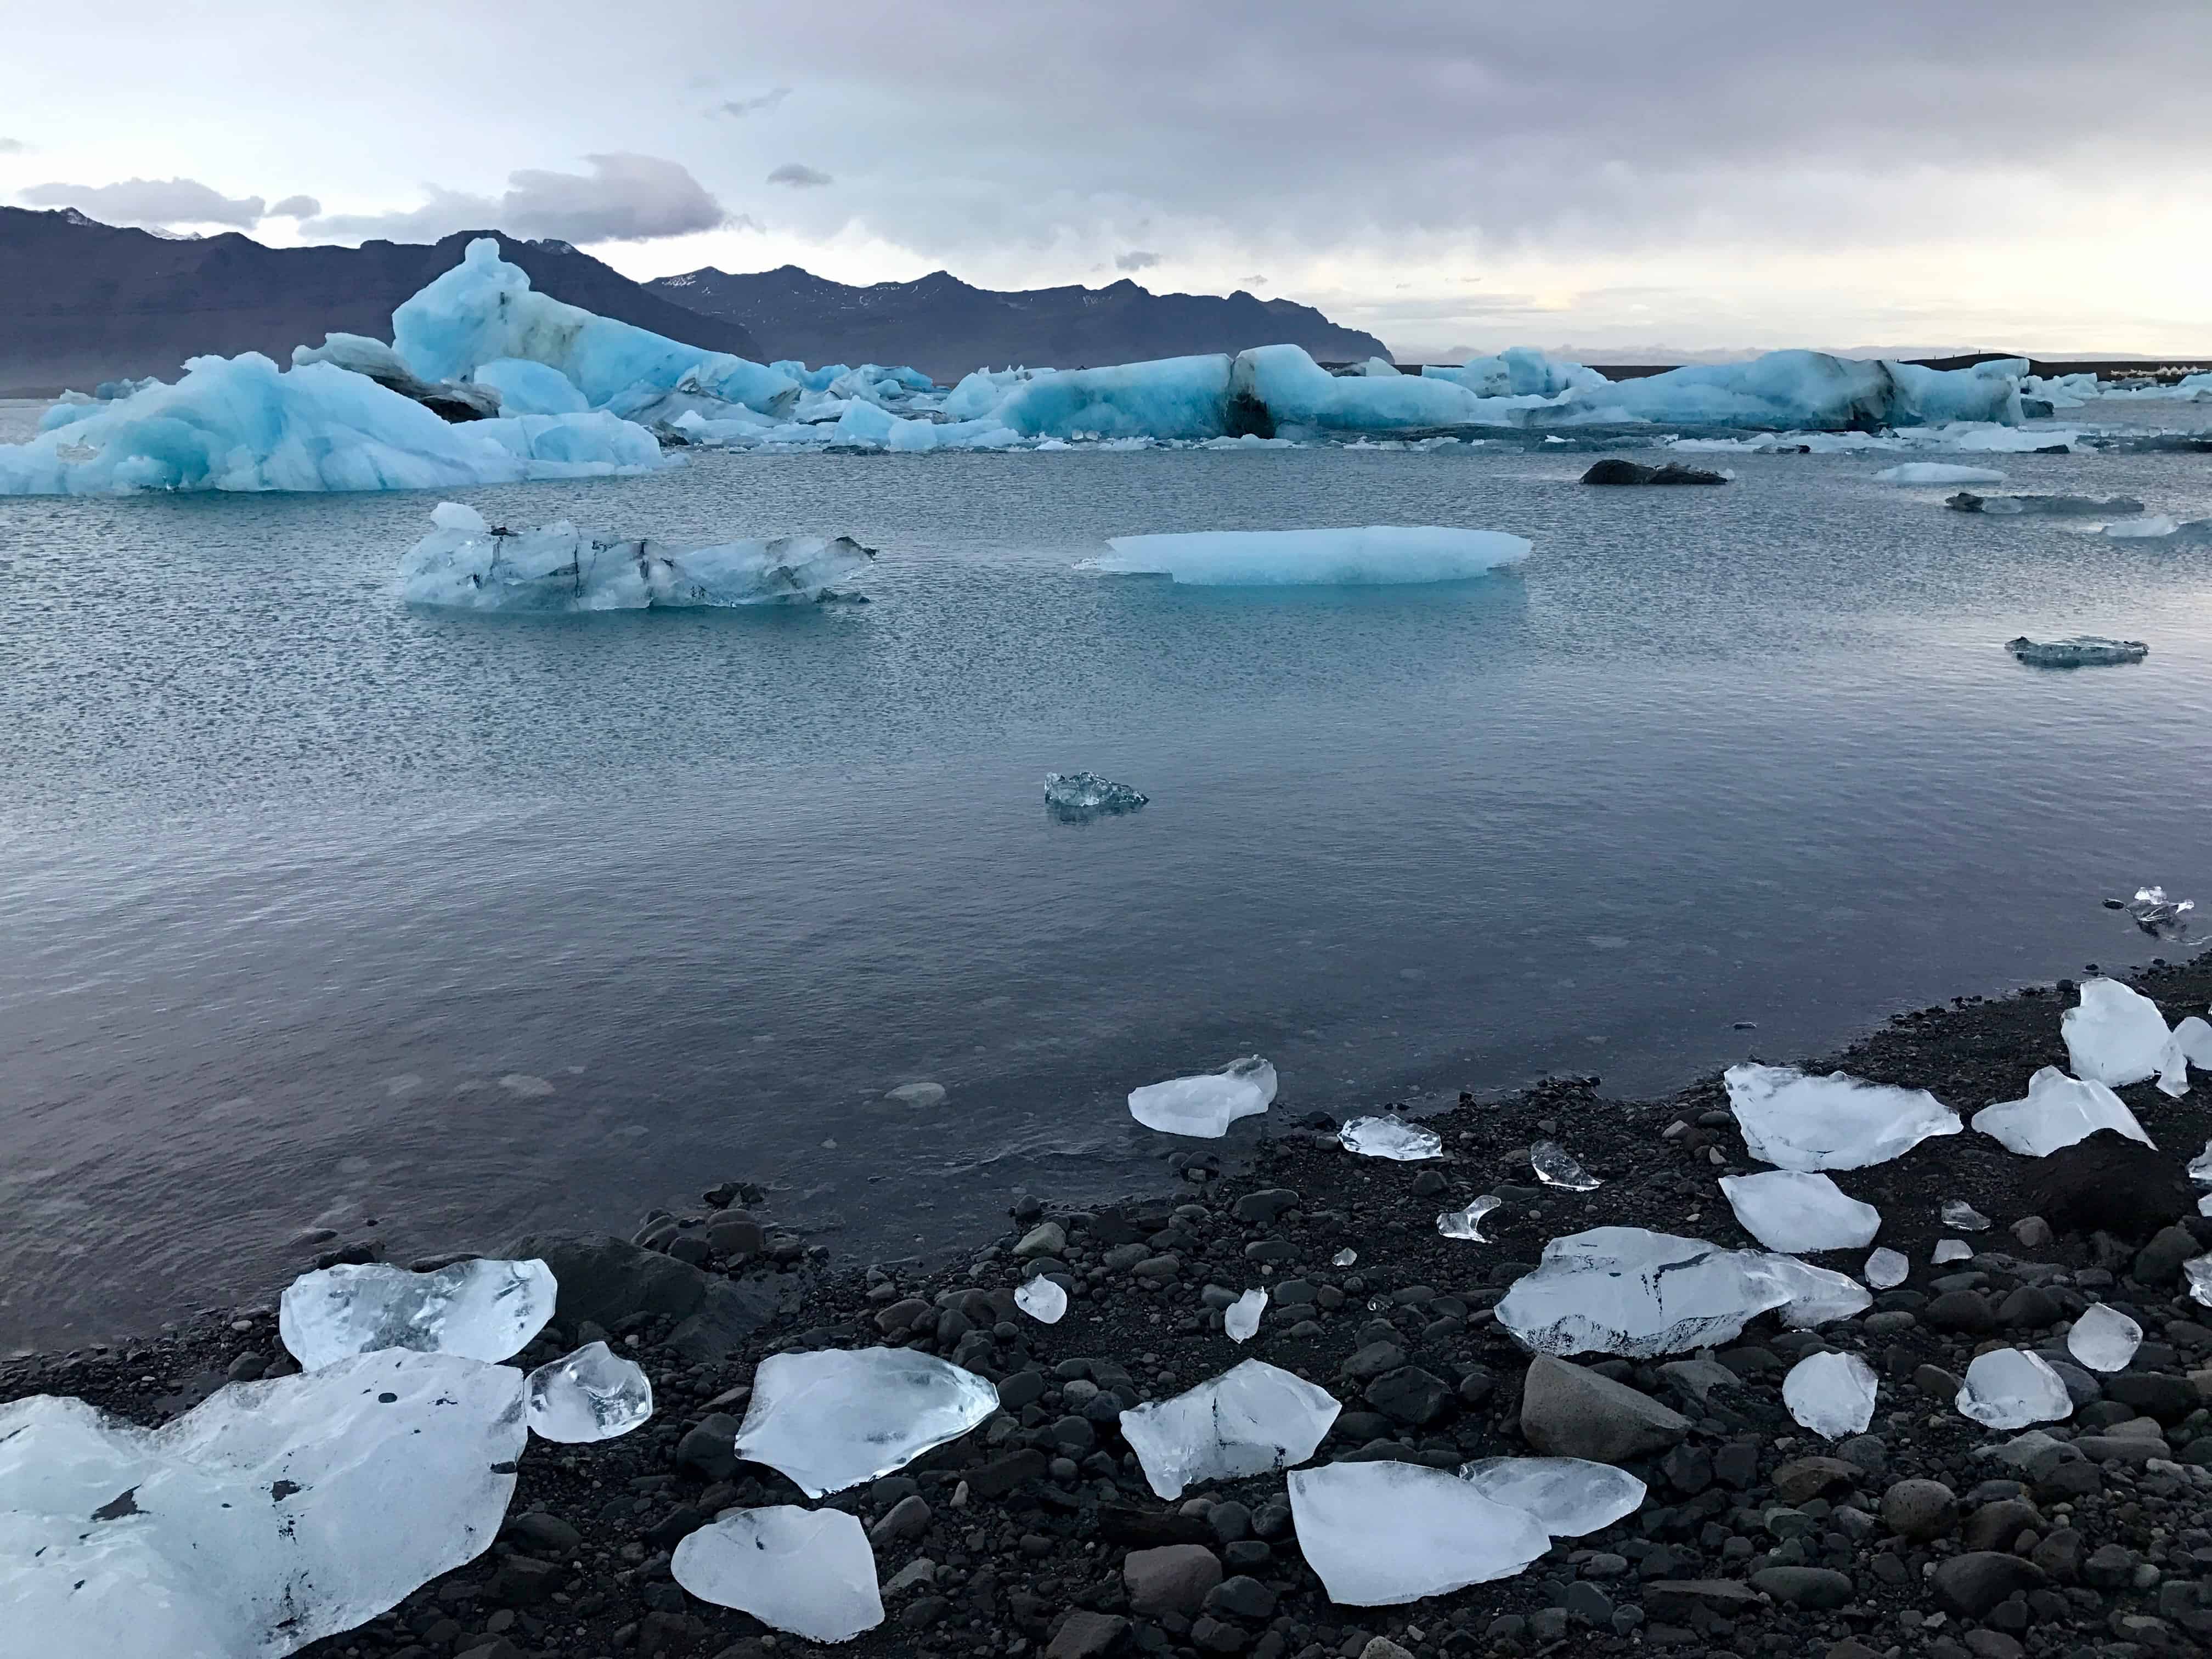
466,563
1381,554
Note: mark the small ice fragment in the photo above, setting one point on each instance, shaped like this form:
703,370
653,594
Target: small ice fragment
2151,525
1251,1419
477,1309
1346,1258
2204,1205
2116,1035
1833,1122
2103,1338
1555,1168
1790,1210
1957,1213
2200,1167
1885,1269
1938,472
831,1419
1390,1136
1830,1394
1042,1300
1813,1297
918,1094
2199,1273
523,1086
1379,1534
1206,1105
1952,1249
2057,1111
808,1573
1241,1319
589,1394
2158,915
1086,793
2079,651
1570,1497
2010,1389
1468,1223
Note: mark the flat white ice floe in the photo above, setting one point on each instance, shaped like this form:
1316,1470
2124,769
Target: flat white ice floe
2103,1338
1834,1123
1240,1321
1379,1534
1042,1300
1390,1136
1790,1210
1251,1419
2057,1111
591,1395
479,1309
1206,1105
465,563
1086,793
1467,1223
1830,1394
807,1572
1885,1269
2117,1035
267,1516
1938,472
1554,1167
1381,554
832,1418
1570,1497
2079,651
2010,1389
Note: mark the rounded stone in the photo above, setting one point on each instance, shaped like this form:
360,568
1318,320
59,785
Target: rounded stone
1920,1509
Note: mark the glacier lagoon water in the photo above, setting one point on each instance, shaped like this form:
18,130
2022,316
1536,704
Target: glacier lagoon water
321,910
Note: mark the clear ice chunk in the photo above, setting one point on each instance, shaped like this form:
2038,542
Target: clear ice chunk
1948,1250
1251,1419
589,1395
1346,1258
1570,1497
1836,1122
1241,1319
1086,793
832,1418
1206,1105
1390,1136
478,1308
1885,1269
1042,1300
2010,1389
1814,1296
2078,650
1957,1213
1555,1168
809,1573
2198,1272
269,1516
1790,1210
2116,1035
1830,1394
2057,1111
1379,1534
2103,1338
2158,915
1467,1223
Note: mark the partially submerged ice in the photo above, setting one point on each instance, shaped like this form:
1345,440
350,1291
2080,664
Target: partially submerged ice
1379,1534
1252,1419
810,1573
2010,1389
1570,1497
1554,1167
832,1418
1042,1300
271,1514
1086,793
1240,1320
478,1308
1938,472
2103,1338
1885,1269
1830,1394
2079,651
1834,1123
467,563
2162,918
1467,1223
2057,1111
591,1395
1390,1136
1378,555
1206,1105
2013,507
1789,1210
2117,1036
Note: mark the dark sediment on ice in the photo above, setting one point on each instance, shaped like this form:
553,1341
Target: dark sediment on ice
1756,1536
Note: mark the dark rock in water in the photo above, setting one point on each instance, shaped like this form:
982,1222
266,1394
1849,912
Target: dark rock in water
1614,471
2106,1183
605,1279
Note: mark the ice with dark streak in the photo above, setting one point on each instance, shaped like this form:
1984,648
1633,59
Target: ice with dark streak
832,1418
1252,1419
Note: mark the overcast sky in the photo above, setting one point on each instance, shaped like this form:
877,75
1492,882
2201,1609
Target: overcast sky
1610,173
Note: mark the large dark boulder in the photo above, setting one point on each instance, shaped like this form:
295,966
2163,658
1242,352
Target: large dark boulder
2106,1184
1614,471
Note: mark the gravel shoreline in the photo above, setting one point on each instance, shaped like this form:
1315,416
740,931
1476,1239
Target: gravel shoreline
1037,1533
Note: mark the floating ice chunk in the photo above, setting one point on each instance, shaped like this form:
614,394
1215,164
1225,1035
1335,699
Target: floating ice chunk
1790,1210
2117,1035
1346,1258
1379,554
921,1093
1241,1319
2009,506
1379,1534
1390,1136
1555,1168
1885,1269
2080,651
589,1394
1171,398
1948,1250
1251,1419
2159,915
1087,793
1206,1105
831,1419
2057,1111
808,1573
1302,399
1957,1213
1938,472
1570,1497
2010,1389
1468,1223
2150,527
1833,1122
1042,1300
480,1310
2103,1338
269,1516
1830,1394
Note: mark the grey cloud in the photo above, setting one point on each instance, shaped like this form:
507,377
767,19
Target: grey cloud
766,101
623,198
1256,280
800,176
1136,258
152,202
12,147
297,206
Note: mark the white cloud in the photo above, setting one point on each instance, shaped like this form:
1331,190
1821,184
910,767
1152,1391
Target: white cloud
297,206
623,198
152,202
